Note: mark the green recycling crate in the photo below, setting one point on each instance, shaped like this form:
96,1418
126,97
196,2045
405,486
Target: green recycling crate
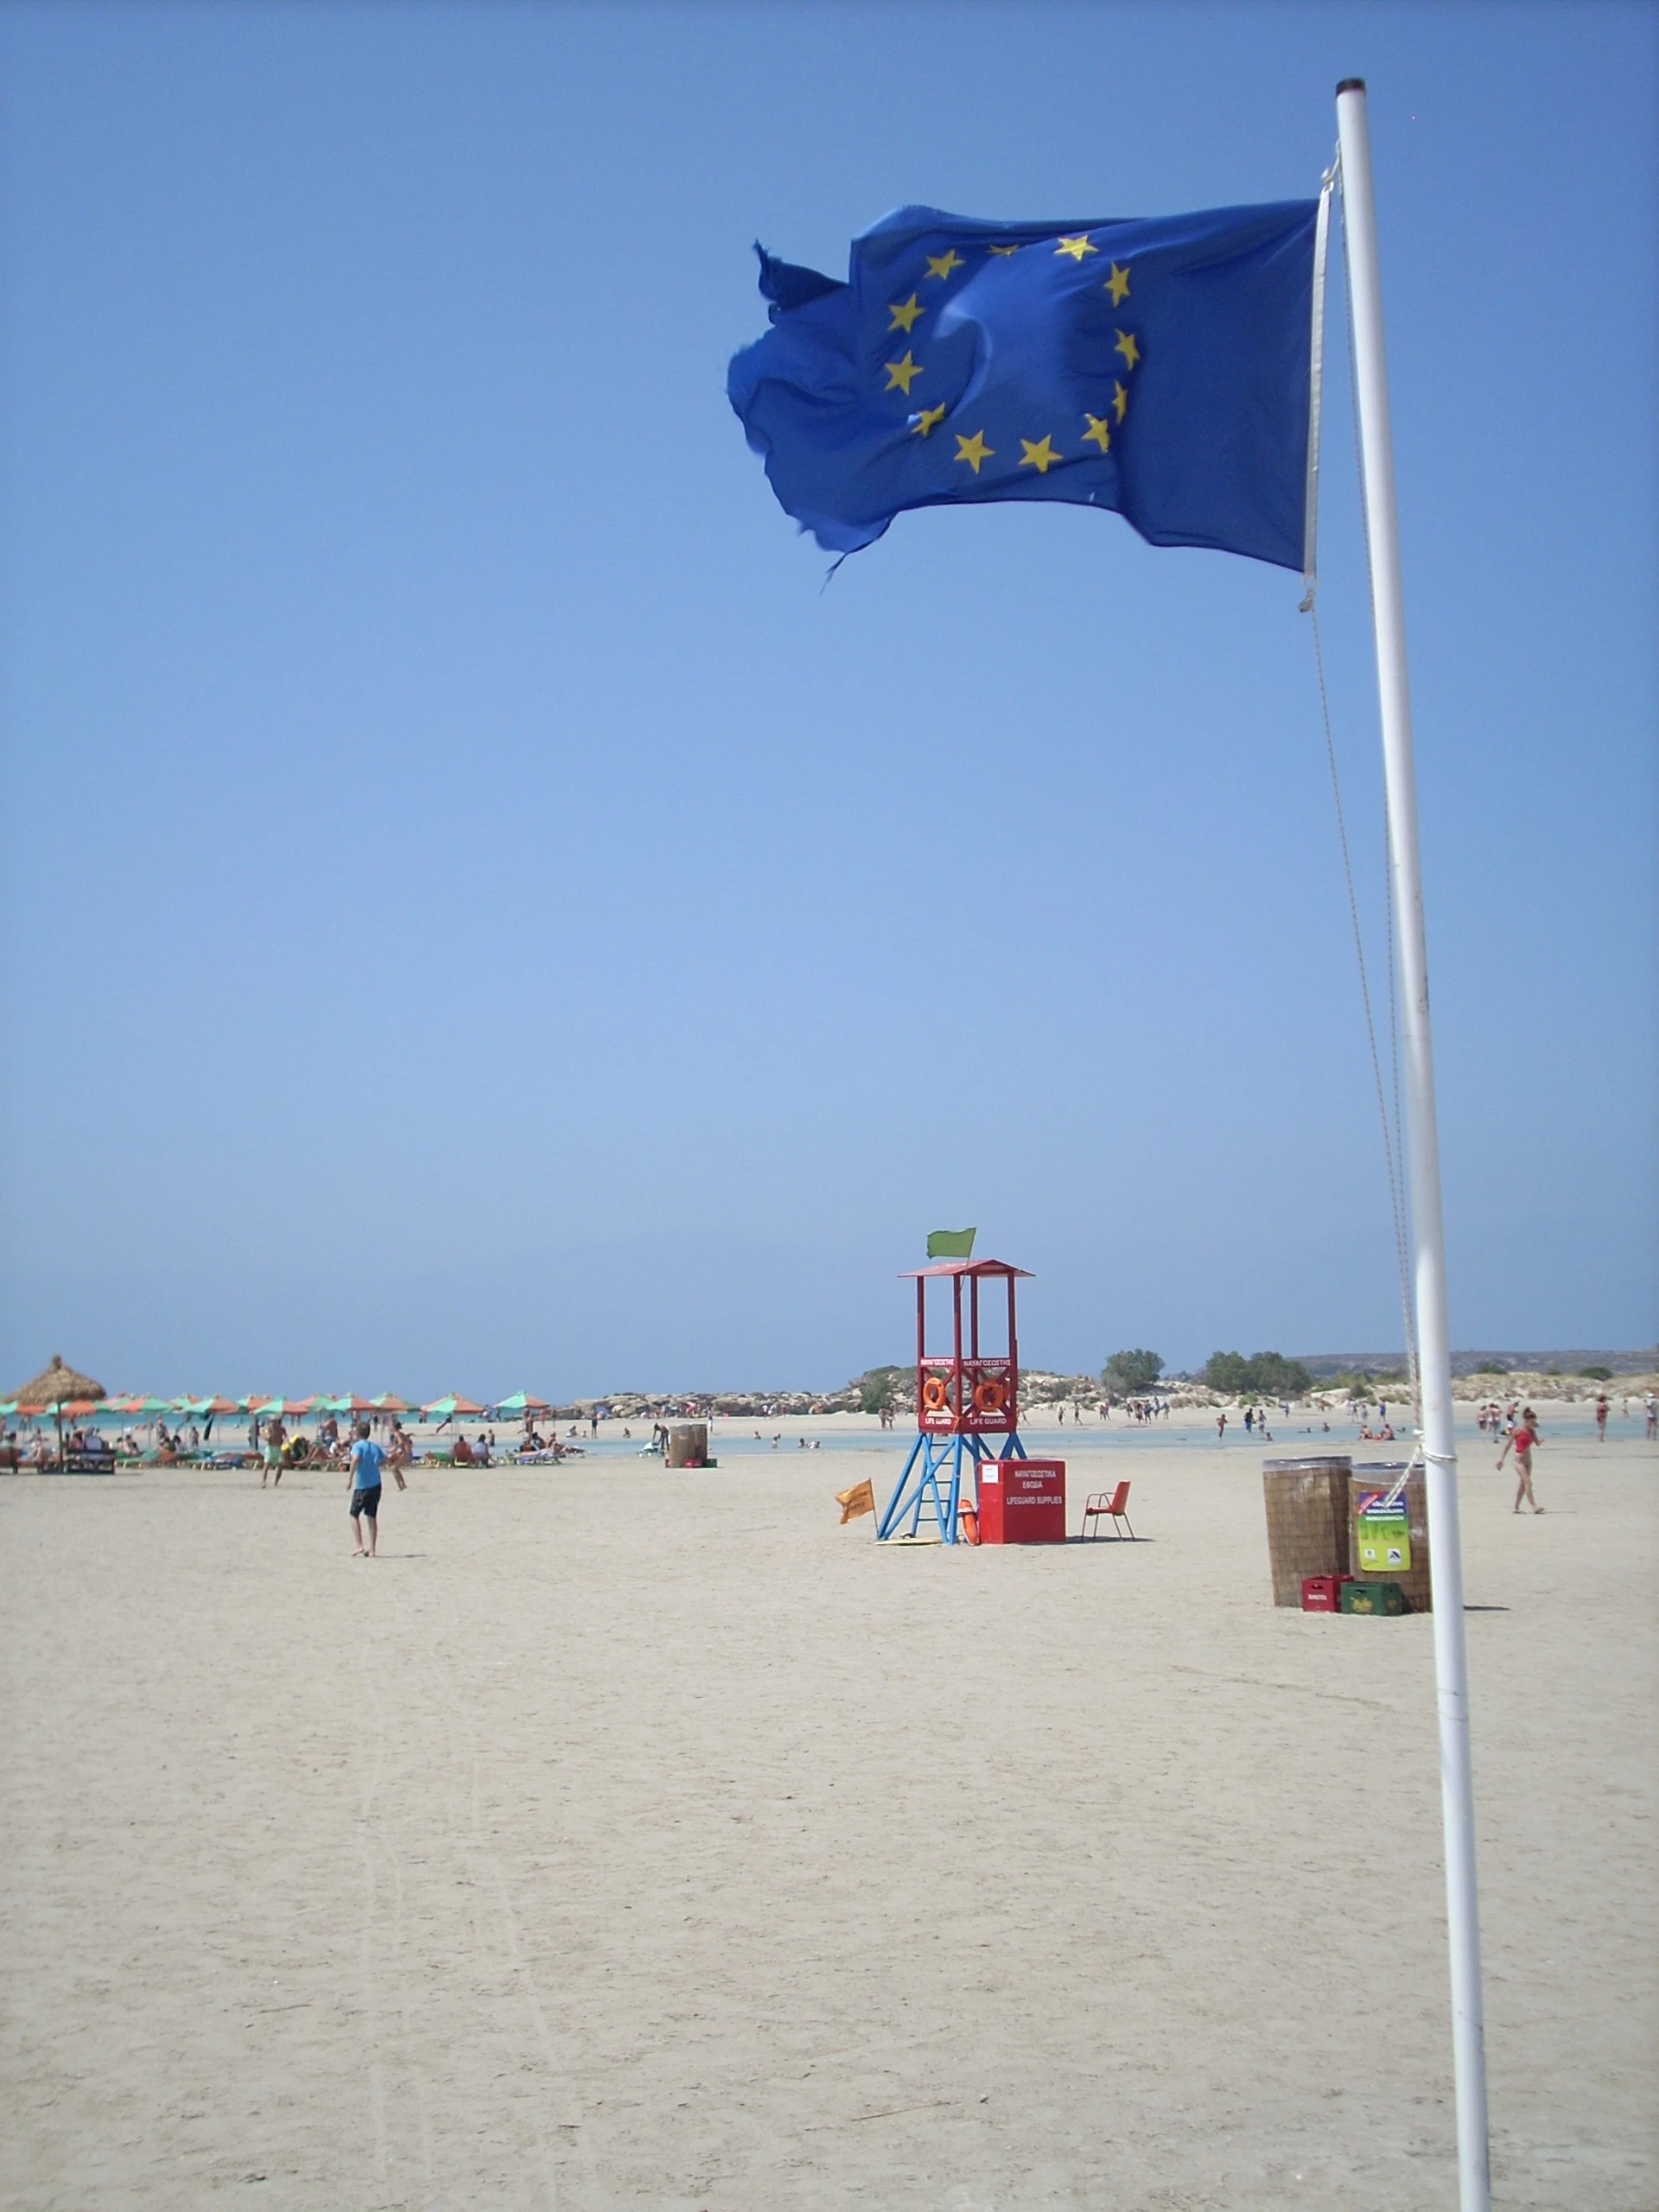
1373,1598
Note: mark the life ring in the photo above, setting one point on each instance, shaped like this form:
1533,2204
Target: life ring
991,1396
935,1394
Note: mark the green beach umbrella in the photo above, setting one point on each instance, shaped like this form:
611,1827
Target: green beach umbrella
447,1409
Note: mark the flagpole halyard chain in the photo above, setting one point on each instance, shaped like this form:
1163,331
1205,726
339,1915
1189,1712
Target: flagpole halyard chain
1402,1240
1396,1195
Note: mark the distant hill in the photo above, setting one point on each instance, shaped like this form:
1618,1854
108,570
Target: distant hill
1472,1362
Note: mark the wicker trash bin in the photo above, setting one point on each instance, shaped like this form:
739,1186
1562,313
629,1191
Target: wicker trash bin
1415,1581
1308,1515
688,1444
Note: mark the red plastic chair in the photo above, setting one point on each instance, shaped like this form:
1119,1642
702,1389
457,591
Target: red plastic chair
1107,1505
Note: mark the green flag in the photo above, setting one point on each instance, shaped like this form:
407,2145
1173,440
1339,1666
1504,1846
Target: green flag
950,1243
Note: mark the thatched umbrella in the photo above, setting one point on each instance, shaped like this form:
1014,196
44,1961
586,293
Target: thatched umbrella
54,1388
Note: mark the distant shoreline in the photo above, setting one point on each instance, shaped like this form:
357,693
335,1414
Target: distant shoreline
1569,1365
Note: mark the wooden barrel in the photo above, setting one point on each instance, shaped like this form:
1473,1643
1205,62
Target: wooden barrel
1370,1476
1307,1521
688,1444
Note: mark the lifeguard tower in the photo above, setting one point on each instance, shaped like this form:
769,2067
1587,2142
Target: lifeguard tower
964,1398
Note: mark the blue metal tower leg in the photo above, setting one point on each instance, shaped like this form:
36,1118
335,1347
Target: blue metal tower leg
884,1527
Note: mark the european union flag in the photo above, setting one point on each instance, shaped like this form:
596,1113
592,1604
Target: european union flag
1157,368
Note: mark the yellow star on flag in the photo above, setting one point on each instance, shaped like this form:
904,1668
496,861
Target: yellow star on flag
1117,284
943,263
1002,249
902,374
1127,347
974,450
904,313
1120,402
929,419
1098,429
1041,457
1075,247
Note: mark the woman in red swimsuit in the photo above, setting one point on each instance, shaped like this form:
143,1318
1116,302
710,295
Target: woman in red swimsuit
1521,1443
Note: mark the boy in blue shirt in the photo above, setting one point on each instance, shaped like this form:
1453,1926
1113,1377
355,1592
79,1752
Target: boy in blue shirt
364,1464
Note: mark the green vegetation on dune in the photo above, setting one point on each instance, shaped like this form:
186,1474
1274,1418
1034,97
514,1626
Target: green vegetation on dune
1365,1383
1264,1374
1126,1372
877,1389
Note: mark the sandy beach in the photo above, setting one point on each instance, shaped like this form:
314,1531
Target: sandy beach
623,1838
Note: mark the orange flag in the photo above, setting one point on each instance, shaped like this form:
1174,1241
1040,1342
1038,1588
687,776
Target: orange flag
860,1499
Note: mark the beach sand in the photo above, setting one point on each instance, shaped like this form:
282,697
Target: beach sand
622,1837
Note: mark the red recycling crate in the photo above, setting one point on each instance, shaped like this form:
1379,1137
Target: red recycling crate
1322,1593
1022,1501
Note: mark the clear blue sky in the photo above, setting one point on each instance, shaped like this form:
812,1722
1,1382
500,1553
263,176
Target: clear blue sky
476,912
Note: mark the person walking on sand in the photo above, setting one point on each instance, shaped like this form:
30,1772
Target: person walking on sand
364,1465
1653,1417
1601,1417
1520,1442
276,1437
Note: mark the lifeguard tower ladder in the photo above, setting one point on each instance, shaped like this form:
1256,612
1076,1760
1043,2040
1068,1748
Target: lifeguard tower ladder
963,1398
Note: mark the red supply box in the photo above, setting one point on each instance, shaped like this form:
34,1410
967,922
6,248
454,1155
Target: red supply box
1022,1501
1321,1593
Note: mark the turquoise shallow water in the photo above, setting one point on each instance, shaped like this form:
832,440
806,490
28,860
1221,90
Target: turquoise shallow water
1047,1440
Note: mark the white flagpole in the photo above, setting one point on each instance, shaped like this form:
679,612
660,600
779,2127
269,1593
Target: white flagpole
1422,1152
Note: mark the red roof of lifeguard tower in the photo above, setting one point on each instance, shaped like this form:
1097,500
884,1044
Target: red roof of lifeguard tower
965,1268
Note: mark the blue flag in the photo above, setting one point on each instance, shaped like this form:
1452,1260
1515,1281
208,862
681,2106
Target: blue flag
1159,369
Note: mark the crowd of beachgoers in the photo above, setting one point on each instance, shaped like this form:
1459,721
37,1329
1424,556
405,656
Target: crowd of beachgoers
280,1434
275,1434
